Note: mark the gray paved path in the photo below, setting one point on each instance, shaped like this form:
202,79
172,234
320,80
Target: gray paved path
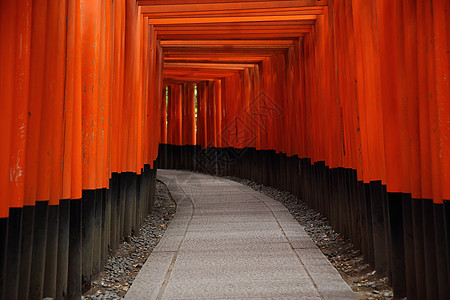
228,241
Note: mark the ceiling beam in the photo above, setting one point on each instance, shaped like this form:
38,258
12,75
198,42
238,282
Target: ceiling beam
149,6
239,13
210,20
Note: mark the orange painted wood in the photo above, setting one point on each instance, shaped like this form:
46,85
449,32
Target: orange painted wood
7,29
55,97
176,98
90,25
210,106
50,146
163,132
368,96
441,26
412,107
230,19
19,124
74,26
218,112
202,124
170,117
36,81
239,13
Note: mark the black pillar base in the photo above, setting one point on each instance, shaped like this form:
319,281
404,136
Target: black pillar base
26,251
51,258
39,250
13,253
3,249
397,244
75,270
63,249
441,251
430,250
87,242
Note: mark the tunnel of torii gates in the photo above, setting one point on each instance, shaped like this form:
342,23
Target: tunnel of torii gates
345,103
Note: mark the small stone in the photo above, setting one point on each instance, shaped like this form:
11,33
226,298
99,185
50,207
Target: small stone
376,292
356,281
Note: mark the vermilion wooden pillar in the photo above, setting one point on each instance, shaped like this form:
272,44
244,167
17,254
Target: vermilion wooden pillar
163,132
189,125
185,130
218,112
176,100
211,115
202,124
170,116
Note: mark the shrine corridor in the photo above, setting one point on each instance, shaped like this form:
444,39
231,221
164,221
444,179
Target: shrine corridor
343,103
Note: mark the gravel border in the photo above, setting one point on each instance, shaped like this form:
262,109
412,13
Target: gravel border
349,262
121,269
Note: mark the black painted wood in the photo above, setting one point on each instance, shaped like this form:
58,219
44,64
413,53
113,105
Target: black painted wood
397,244
51,252
74,280
430,250
63,249
3,248
26,251
87,237
39,250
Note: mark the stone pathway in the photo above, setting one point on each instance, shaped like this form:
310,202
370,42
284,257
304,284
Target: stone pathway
228,241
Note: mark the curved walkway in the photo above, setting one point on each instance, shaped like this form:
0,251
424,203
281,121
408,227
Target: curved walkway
228,241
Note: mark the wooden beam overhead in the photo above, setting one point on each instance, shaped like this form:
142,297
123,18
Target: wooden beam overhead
218,36
250,58
197,76
174,81
154,6
231,30
223,57
218,60
295,24
193,65
229,19
228,44
229,50
238,13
